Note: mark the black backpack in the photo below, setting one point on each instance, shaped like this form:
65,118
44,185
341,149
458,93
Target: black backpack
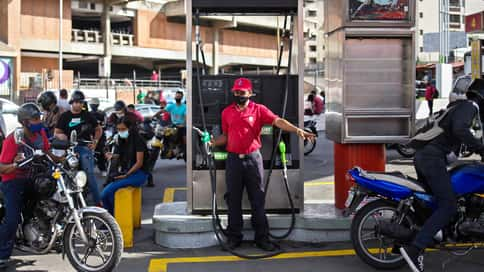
431,127
436,93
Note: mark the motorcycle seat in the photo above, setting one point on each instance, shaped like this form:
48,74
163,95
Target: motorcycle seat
400,179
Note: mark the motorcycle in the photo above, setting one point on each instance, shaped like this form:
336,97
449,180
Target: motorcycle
165,142
56,218
392,207
309,126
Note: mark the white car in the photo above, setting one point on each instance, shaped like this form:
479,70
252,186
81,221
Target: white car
8,120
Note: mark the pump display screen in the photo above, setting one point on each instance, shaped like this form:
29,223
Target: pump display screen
379,10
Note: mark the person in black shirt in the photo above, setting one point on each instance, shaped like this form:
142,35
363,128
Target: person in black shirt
87,129
132,152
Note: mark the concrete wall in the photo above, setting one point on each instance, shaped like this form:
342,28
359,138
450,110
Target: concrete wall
40,19
238,43
36,65
152,30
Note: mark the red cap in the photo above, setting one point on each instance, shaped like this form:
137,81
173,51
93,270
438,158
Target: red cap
242,84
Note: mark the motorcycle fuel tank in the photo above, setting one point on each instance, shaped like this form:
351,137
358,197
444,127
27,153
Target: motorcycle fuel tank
468,179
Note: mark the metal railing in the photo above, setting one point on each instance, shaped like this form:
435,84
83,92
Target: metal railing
99,83
94,36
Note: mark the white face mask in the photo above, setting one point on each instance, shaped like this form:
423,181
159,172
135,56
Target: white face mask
119,115
124,134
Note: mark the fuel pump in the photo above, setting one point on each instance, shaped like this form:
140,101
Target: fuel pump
281,151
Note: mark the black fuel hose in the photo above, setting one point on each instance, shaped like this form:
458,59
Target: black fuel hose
281,46
276,143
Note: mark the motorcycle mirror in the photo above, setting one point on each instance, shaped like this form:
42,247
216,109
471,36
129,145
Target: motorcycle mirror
73,138
19,135
116,139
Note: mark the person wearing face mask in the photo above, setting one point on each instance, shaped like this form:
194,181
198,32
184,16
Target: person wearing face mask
178,114
88,130
48,102
132,152
120,111
242,122
15,182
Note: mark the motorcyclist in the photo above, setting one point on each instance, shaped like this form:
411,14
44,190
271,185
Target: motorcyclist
15,181
431,165
178,112
88,130
48,103
101,120
120,110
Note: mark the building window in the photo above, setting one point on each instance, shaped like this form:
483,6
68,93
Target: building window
93,6
455,19
421,49
421,14
421,32
312,60
312,13
312,48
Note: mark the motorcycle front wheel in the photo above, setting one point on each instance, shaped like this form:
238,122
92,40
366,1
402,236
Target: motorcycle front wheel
308,145
374,248
105,247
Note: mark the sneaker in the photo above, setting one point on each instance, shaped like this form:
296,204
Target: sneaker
232,244
265,245
414,258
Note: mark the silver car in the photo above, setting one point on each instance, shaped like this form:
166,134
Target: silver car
8,116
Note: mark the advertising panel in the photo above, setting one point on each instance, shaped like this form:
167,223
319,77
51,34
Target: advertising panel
5,76
379,10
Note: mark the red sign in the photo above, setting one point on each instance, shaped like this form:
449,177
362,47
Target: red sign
474,23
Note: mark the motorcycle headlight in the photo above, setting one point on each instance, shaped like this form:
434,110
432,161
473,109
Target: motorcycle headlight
80,179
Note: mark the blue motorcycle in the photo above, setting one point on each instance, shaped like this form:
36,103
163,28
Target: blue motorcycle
392,207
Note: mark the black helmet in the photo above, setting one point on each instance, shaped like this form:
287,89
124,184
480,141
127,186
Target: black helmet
119,105
476,89
77,96
27,111
47,99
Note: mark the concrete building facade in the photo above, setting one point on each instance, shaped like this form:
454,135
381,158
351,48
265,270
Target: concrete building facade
146,35
427,22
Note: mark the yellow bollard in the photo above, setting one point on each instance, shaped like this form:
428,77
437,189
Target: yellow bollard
127,211
137,208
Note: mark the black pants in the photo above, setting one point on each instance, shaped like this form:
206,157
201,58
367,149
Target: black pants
430,163
247,172
100,152
431,106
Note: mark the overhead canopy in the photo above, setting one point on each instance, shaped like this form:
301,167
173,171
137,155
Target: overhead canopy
246,7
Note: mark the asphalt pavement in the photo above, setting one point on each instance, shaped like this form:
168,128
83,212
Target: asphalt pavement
170,179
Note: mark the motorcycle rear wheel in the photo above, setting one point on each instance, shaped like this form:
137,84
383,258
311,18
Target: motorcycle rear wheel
105,225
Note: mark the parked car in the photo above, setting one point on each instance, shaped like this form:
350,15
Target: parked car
460,87
8,122
419,88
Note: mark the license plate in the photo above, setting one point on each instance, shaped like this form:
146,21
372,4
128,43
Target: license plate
351,196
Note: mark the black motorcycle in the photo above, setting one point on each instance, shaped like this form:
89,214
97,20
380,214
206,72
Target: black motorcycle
56,218
309,146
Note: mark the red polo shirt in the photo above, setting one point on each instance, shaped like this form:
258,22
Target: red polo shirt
243,127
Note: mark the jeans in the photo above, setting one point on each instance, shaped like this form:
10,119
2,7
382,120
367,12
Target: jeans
13,197
247,172
431,106
430,163
137,179
87,164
